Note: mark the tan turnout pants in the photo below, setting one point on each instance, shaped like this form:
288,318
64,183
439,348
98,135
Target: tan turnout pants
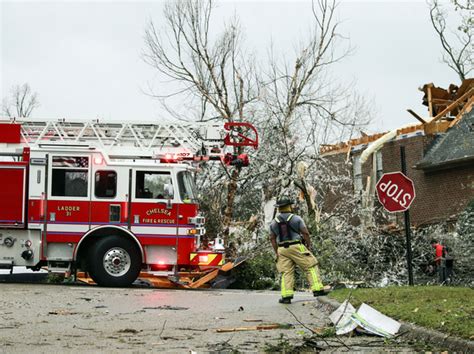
297,254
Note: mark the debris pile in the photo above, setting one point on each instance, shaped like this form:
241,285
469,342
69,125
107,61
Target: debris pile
346,319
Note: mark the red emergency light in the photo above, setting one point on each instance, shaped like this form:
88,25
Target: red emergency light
98,160
168,158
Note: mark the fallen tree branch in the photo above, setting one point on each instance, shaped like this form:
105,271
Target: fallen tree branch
309,329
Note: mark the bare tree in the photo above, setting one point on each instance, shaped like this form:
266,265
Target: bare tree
213,71
457,44
296,107
21,102
306,108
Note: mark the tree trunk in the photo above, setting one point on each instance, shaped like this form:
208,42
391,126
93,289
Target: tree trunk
229,210
228,213
312,214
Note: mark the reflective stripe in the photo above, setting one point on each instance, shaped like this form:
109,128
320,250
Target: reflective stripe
285,292
287,219
316,283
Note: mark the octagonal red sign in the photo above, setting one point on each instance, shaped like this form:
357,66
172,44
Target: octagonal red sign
395,191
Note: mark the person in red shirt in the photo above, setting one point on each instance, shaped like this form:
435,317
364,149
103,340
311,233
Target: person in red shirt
439,251
442,262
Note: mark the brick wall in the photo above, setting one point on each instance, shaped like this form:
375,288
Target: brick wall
440,195
331,193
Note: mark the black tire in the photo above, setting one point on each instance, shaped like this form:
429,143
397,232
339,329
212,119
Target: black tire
114,261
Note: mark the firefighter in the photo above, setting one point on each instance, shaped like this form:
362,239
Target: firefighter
291,242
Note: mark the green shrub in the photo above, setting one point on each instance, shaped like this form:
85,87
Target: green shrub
258,273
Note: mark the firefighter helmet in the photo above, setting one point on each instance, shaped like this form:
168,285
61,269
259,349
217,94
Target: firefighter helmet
283,202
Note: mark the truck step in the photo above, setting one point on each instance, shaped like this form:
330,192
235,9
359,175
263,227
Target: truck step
6,264
59,267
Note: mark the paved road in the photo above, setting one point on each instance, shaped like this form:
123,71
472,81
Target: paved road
58,318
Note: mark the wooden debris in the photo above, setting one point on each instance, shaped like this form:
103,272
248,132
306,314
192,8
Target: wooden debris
255,328
62,312
192,329
84,329
207,278
467,108
128,330
416,116
453,105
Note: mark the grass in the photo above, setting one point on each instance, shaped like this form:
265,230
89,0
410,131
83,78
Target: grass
446,309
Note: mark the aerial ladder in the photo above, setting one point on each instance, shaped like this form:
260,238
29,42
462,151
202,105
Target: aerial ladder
197,141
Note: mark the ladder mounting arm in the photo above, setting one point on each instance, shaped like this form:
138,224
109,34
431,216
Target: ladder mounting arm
240,137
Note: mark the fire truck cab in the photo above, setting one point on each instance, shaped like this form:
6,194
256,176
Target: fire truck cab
111,199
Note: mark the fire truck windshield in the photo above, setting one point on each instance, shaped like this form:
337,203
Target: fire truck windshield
186,186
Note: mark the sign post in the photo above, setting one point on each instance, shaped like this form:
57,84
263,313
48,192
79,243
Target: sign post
396,192
407,221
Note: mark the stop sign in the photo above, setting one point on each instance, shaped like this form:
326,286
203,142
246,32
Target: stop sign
395,191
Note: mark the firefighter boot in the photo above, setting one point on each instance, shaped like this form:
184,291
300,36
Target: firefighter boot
319,293
285,300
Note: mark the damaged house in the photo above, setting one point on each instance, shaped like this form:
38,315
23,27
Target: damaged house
439,158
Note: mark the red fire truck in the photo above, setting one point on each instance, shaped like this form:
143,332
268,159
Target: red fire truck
112,199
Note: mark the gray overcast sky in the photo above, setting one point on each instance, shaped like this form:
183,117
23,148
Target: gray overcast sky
83,58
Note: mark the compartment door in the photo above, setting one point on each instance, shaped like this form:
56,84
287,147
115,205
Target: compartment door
12,194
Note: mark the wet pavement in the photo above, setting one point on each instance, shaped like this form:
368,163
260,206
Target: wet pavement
75,318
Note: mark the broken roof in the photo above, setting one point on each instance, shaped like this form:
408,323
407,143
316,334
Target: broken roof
446,108
453,148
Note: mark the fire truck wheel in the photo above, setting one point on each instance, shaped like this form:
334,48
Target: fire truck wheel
114,261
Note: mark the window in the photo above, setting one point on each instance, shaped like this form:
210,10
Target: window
186,186
70,176
114,213
357,173
105,184
153,185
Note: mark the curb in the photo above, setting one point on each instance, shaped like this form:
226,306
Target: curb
430,336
